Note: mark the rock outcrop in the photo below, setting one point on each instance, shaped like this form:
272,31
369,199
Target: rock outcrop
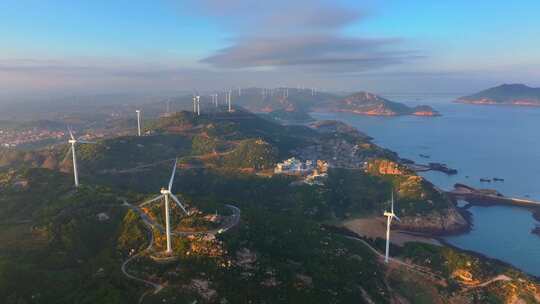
446,221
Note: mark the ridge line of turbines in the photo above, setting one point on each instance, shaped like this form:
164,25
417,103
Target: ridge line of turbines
166,193
196,110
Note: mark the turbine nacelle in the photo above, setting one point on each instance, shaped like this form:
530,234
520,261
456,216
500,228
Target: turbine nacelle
165,191
72,141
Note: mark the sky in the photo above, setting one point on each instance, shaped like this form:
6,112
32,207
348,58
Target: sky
61,47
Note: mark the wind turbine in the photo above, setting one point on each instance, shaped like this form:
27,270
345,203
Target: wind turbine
138,122
389,216
166,193
73,141
229,101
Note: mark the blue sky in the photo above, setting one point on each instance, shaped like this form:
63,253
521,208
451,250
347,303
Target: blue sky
67,47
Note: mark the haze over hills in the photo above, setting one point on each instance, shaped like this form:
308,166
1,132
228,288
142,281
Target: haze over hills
295,100
506,94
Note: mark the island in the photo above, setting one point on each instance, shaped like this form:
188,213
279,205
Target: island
293,105
366,103
506,94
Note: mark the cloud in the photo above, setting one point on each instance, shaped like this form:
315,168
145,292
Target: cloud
322,53
305,35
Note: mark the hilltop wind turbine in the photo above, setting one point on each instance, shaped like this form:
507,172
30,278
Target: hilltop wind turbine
138,122
166,193
73,141
389,216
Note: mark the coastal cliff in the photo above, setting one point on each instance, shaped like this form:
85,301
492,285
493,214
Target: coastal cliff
421,206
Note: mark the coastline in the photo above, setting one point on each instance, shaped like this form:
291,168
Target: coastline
345,231
467,215
485,257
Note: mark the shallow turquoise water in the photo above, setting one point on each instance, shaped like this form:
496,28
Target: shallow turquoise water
481,142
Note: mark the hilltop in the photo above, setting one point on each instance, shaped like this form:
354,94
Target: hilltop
370,104
506,94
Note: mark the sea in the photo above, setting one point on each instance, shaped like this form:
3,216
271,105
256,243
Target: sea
481,142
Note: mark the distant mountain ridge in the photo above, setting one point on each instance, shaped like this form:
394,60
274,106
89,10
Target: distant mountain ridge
288,102
366,103
505,94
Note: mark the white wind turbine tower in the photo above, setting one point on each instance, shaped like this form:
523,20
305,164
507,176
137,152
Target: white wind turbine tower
138,122
215,99
165,195
73,141
389,216
229,100
198,105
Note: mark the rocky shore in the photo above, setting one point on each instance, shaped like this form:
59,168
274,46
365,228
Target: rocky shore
442,222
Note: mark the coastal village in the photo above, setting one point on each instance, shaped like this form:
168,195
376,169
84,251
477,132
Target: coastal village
11,138
313,172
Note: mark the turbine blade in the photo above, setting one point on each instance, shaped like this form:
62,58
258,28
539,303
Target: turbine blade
397,218
392,207
71,133
152,200
178,203
172,176
67,155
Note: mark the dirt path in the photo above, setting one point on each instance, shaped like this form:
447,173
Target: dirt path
234,220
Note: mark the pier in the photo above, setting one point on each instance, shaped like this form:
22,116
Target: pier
488,197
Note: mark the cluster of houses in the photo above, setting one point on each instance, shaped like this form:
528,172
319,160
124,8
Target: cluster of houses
314,171
14,138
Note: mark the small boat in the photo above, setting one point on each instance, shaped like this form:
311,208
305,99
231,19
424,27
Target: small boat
496,179
485,180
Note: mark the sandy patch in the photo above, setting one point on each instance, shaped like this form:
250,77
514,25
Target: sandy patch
376,228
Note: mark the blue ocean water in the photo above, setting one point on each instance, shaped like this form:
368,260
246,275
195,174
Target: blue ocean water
480,142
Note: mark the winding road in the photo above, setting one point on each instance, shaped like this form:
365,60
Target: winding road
234,220
425,271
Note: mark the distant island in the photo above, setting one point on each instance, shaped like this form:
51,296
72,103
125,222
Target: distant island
366,103
294,105
506,94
